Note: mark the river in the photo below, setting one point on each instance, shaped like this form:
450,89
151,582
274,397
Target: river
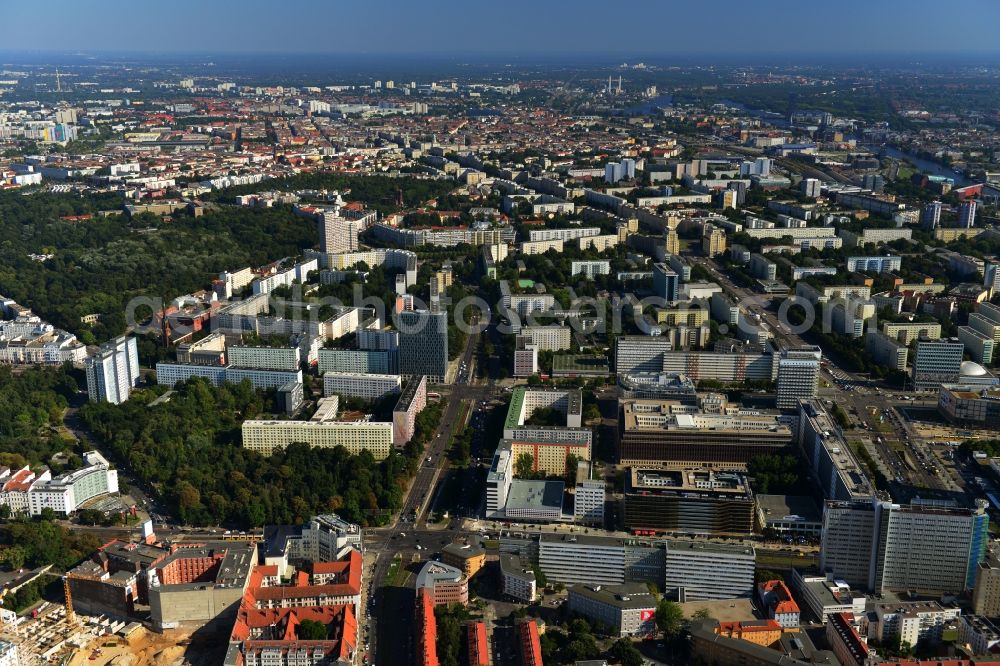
927,166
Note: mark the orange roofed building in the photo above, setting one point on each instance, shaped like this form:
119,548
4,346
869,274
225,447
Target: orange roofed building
479,649
760,632
268,624
531,645
426,629
777,601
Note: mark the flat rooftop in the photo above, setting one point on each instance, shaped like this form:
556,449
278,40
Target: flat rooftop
788,506
652,481
525,494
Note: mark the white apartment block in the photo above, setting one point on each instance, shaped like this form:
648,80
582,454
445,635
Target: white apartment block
588,502
907,332
518,579
525,357
599,243
571,233
270,358
265,437
498,480
548,338
170,374
113,371
542,246
368,387
65,493
590,268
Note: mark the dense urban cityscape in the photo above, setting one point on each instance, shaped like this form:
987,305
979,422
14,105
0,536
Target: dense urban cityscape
473,360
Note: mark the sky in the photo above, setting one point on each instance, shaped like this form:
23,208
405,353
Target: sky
508,27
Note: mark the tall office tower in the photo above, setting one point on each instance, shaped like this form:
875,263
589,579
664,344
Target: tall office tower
423,344
930,217
811,187
967,214
113,371
991,277
798,375
928,546
673,244
338,234
665,282
937,362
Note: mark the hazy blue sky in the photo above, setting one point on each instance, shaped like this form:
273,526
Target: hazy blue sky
505,27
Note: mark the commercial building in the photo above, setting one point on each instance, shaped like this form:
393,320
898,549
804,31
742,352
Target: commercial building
798,376
518,578
737,366
929,547
423,344
609,560
665,283
970,406
672,434
690,500
412,401
366,387
66,493
265,437
198,583
626,610
534,501
446,584
832,463
269,358
791,515
967,214
113,371
469,558
825,595
658,386
640,353
937,362
323,538
701,570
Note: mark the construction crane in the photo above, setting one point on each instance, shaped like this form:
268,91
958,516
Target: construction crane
71,618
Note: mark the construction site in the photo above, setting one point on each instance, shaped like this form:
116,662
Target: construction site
55,634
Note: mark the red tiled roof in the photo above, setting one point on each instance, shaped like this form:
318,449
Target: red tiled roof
531,646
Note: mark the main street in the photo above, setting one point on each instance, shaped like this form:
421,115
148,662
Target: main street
387,542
